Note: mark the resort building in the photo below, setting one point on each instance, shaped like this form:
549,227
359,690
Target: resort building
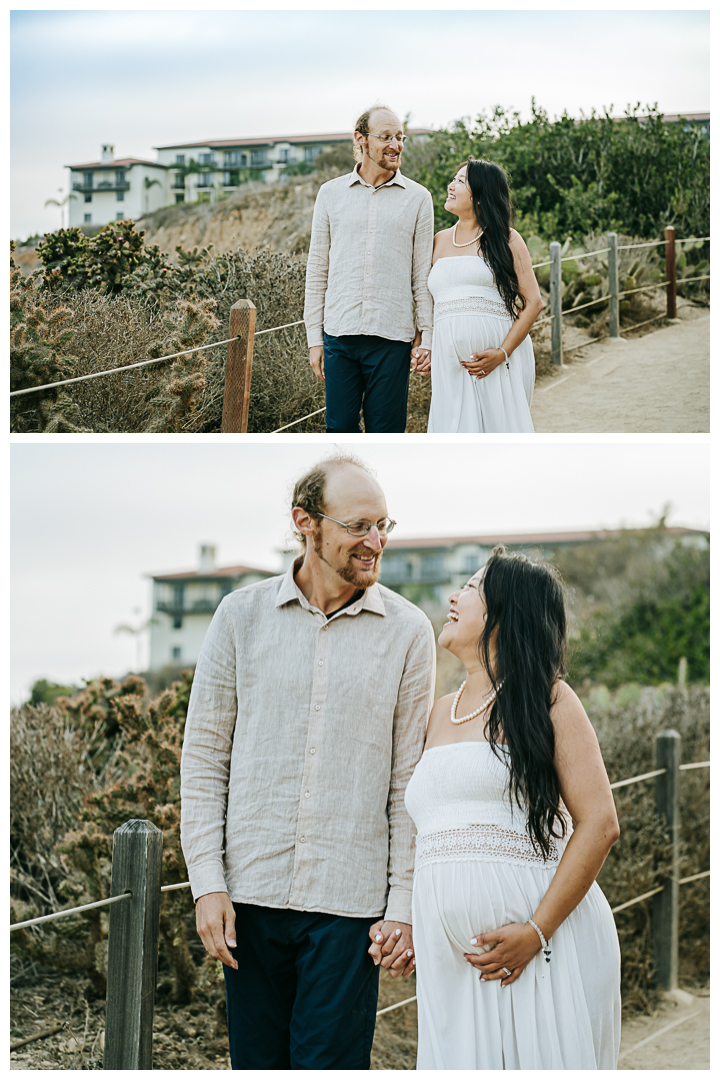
112,189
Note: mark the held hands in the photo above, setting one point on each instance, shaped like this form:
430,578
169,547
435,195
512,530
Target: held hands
512,947
482,363
392,947
420,361
317,361
215,922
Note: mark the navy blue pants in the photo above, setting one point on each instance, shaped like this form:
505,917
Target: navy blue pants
304,995
372,373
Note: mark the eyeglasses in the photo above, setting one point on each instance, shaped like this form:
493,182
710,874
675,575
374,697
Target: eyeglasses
362,528
385,139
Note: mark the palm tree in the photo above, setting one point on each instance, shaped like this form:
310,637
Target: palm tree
148,184
61,204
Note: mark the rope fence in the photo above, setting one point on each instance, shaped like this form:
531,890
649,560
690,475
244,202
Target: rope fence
137,861
238,371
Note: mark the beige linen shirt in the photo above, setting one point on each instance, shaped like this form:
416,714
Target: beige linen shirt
302,733
369,260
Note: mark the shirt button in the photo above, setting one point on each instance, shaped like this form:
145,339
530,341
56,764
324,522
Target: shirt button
307,794
317,708
320,663
302,839
312,749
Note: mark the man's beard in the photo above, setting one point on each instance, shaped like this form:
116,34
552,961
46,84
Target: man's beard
347,571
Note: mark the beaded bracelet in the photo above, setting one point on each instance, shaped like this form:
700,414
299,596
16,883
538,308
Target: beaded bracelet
545,948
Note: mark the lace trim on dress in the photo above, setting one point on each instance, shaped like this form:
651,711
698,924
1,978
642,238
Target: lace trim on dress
470,305
481,842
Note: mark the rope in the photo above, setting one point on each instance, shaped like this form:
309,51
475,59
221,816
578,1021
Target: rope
71,911
539,322
635,779
643,288
696,765
571,311
636,900
274,328
627,329
587,255
294,422
114,371
396,1005
653,243
702,277
169,888
582,345
693,239
694,877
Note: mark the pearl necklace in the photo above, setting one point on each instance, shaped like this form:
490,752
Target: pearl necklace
469,241
472,715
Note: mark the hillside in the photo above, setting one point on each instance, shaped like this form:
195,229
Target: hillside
276,218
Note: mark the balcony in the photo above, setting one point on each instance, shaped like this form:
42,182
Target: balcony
104,185
197,607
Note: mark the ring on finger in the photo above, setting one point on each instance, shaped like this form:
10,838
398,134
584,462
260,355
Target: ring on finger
507,971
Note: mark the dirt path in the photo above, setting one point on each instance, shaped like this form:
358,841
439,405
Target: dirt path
658,382
676,1037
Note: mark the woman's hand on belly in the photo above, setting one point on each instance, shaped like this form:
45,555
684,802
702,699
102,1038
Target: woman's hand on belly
513,948
481,364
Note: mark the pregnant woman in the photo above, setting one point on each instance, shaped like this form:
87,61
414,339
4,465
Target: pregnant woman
486,300
518,962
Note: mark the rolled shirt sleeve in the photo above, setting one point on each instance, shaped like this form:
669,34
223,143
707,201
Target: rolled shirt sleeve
316,276
410,724
206,754
422,261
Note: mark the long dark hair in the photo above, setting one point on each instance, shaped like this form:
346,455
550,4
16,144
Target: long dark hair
523,647
490,192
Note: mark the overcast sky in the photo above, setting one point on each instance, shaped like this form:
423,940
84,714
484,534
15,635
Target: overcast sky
140,79
91,521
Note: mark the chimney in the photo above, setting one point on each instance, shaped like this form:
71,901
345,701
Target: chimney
207,558
108,153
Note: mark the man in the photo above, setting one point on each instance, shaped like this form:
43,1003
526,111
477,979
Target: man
306,720
368,265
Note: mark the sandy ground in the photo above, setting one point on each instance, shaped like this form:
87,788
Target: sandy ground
677,1036
654,383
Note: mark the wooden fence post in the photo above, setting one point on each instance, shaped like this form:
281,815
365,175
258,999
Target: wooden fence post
613,285
133,946
238,372
671,272
668,747
556,304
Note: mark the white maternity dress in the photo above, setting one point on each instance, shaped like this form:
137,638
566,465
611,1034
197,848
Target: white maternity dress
469,316
476,870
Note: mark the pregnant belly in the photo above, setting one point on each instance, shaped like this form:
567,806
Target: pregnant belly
456,900
465,336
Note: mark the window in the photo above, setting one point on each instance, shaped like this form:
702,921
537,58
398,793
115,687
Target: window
120,196
179,180
283,155
233,157
258,158
119,177
88,197
180,198
119,217
311,152
87,218
177,622
206,159
87,179
205,180
176,652
179,159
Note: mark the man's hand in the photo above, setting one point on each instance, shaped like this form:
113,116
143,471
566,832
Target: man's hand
317,361
215,922
392,947
420,361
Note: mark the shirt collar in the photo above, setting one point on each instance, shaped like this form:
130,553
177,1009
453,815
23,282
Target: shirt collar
369,600
356,178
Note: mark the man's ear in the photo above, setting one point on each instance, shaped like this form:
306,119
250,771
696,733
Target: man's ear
302,521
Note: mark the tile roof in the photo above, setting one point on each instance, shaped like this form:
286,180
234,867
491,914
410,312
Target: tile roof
216,572
490,539
343,136
118,163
